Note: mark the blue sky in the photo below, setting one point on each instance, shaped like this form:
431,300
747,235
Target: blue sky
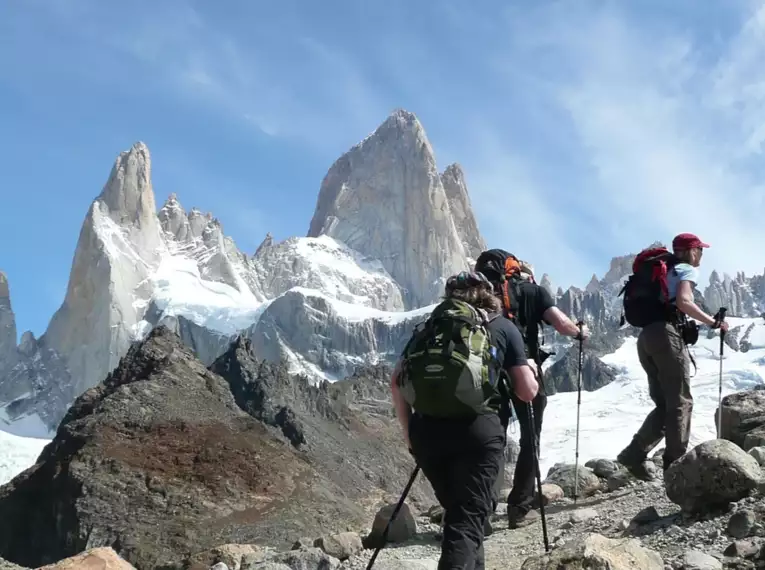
570,119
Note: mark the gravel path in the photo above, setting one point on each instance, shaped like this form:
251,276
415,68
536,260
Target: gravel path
659,526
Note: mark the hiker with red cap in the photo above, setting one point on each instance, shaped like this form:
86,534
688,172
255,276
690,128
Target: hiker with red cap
659,299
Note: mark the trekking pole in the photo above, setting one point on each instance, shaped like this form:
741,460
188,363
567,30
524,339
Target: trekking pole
393,516
535,451
720,317
578,407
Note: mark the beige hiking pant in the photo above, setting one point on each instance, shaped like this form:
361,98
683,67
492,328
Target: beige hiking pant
665,359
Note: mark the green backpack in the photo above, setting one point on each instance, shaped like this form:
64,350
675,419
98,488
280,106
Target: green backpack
449,367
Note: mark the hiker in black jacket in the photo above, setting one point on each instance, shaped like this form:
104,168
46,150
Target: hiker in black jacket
460,451
528,305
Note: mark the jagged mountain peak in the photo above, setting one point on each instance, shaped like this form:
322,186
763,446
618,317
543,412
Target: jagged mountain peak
128,193
455,186
4,290
7,324
385,199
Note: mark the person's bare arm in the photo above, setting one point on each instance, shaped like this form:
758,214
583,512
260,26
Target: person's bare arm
560,321
524,382
403,410
686,303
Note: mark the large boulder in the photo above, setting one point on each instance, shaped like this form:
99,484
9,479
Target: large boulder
711,475
742,415
161,461
596,552
565,476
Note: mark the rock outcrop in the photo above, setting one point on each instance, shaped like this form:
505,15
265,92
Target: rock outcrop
384,198
563,375
596,552
328,266
119,246
712,475
743,418
309,332
455,186
736,294
8,334
166,458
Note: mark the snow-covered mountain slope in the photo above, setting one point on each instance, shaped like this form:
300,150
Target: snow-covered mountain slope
323,304
17,454
610,416
135,267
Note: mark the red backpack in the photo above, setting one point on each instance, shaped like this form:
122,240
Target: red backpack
646,295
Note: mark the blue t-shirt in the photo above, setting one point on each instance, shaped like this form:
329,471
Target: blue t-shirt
682,272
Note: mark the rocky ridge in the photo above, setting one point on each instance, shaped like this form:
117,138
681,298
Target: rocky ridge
616,523
166,457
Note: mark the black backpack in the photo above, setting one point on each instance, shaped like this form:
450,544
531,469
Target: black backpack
646,296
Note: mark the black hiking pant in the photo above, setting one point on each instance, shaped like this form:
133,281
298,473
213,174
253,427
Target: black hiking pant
461,459
524,480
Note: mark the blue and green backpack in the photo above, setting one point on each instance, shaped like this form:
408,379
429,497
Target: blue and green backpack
449,366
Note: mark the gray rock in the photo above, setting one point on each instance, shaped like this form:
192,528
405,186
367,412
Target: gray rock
7,326
583,515
93,328
341,546
620,479
563,375
696,560
733,293
307,324
741,523
755,437
303,559
219,566
326,265
453,180
646,516
603,467
564,475
742,549
759,454
741,413
712,474
402,528
596,552
385,199
265,565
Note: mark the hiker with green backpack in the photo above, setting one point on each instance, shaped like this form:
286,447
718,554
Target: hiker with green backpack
448,386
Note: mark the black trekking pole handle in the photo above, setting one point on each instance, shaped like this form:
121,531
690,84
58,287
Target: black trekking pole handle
400,504
719,318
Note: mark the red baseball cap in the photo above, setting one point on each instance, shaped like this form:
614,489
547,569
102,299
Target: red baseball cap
687,241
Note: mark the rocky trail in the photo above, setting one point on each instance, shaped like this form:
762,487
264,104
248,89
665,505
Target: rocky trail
172,465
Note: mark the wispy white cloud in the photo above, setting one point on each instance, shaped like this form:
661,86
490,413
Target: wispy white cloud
651,136
276,77
586,129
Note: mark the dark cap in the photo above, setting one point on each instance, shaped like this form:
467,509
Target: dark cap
687,241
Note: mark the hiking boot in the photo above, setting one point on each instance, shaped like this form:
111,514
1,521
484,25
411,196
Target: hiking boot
517,517
638,466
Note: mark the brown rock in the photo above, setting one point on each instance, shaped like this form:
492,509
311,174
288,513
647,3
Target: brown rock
96,559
